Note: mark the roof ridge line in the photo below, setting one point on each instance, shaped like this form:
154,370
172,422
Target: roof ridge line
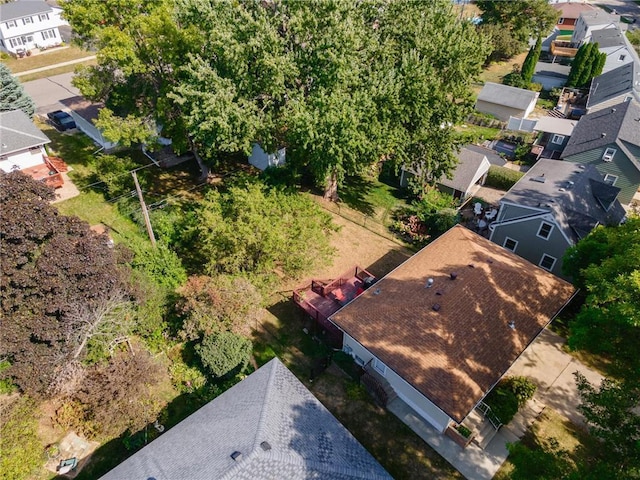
268,388
23,133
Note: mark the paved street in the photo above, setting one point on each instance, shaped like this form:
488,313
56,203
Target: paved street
625,8
47,92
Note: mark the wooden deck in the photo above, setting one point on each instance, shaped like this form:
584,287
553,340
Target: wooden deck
47,173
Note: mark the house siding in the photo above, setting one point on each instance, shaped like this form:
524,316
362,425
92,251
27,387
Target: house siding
22,160
92,131
509,212
621,166
530,246
609,103
423,406
501,112
613,58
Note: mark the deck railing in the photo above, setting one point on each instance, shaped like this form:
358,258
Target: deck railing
489,415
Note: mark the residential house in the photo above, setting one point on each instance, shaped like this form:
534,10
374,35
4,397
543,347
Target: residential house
267,426
609,139
263,160
504,101
553,206
85,113
569,14
29,24
470,173
553,135
443,328
615,86
590,21
22,148
612,42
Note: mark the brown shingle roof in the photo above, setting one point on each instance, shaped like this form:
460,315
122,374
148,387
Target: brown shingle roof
455,355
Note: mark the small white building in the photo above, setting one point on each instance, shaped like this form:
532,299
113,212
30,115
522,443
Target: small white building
263,160
29,24
504,101
85,113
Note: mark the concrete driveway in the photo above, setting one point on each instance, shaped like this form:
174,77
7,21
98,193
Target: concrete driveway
47,92
546,363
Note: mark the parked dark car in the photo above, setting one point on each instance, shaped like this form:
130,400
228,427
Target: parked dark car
61,120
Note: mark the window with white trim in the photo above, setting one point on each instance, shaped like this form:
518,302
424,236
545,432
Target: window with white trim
557,139
15,42
380,367
11,24
610,179
545,230
43,17
547,262
621,58
608,154
26,20
560,21
47,34
510,244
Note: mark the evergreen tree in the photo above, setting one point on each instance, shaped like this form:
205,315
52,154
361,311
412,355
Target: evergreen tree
529,64
12,95
587,64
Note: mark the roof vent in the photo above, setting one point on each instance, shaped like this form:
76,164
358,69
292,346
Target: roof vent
429,283
453,275
539,179
561,189
603,134
512,325
266,446
237,456
471,265
489,260
436,307
376,291
613,110
438,293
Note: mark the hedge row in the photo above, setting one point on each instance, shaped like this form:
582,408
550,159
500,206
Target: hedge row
502,178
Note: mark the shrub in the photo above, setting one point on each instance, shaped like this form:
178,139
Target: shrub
502,178
522,388
224,353
464,431
503,403
19,443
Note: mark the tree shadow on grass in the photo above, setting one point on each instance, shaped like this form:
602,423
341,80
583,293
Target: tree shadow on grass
353,193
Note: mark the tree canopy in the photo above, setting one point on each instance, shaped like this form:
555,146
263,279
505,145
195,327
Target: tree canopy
341,84
523,19
56,276
12,95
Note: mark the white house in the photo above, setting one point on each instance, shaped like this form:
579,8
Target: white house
612,42
29,24
21,142
504,101
85,113
589,22
263,160
445,326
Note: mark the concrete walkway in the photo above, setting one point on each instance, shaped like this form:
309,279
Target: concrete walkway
551,369
56,65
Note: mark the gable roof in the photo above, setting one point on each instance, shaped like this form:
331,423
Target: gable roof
575,194
17,132
561,126
492,156
506,95
454,356
14,10
271,405
83,107
571,9
614,83
608,37
603,127
471,166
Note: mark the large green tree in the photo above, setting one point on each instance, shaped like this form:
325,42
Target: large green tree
341,84
56,280
12,94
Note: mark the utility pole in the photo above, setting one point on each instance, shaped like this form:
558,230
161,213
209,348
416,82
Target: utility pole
145,213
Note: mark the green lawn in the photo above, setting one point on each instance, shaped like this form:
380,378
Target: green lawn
50,72
374,198
49,57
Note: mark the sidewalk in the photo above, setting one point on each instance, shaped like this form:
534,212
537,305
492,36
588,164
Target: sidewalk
56,65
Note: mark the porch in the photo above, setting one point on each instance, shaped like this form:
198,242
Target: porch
563,49
49,172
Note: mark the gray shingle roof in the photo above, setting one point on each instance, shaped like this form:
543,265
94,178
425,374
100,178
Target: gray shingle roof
470,164
19,9
492,156
608,37
506,95
271,405
606,126
599,17
574,193
614,83
17,132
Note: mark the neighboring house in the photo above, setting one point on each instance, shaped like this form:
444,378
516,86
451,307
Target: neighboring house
611,41
85,113
29,24
554,134
569,14
609,139
263,160
551,75
504,101
470,173
613,87
443,328
268,426
491,155
590,21
552,207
